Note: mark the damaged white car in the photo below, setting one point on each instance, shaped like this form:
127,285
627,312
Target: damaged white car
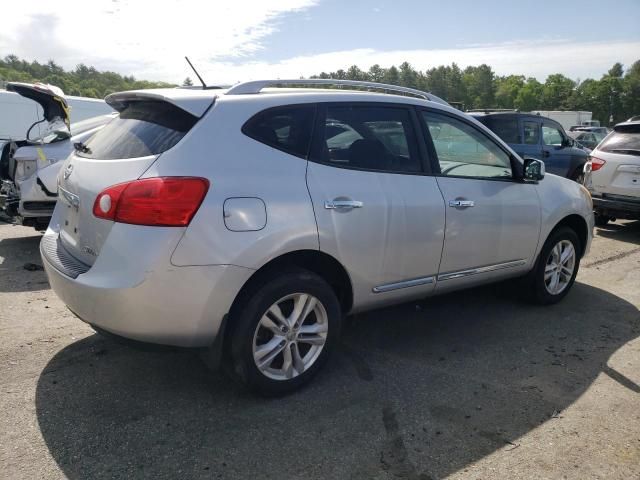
29,167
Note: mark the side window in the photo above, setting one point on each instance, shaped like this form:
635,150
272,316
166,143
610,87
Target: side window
464,151
285,128
531,133
505,128
370,138
551,135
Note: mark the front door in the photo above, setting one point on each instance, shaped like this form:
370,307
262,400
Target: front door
557,156
492,220
376,211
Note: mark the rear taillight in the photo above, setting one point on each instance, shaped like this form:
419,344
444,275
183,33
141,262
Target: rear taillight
161,201
596,163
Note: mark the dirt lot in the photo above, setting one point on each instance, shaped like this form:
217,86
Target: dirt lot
471,385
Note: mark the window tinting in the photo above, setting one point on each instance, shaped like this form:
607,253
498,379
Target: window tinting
464,151
505,128
371,138
625,143
285,128
531,133
143,128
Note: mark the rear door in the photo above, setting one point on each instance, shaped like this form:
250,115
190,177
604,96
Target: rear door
531,138
122,151
492,220
376,210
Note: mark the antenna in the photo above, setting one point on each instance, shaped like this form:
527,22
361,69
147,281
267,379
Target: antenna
204,85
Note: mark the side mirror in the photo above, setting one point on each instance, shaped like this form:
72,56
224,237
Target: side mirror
533,170
567,142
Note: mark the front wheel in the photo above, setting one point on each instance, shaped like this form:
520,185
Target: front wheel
557,267
285,332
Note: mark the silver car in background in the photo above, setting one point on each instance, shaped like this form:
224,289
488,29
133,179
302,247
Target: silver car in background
249,221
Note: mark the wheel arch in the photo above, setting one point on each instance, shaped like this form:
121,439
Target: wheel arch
579,225
315,261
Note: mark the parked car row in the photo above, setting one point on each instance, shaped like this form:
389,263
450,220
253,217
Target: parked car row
249,221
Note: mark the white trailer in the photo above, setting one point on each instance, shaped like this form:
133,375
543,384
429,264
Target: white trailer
569,119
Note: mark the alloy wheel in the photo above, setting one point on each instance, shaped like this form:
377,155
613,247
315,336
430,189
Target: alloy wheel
560,267
290,336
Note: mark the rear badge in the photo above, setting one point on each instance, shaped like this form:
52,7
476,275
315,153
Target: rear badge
90,251
67,171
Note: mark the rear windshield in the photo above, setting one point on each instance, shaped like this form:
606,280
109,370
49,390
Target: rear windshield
143,128
625,143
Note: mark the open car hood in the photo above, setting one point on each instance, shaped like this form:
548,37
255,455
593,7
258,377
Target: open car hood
50,98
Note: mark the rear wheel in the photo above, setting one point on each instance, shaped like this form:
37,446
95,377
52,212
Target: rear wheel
556,268
285,332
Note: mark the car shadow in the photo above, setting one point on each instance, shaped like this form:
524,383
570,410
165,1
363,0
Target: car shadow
416,391
21,266
628,231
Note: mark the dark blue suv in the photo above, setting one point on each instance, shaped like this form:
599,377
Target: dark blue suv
538,137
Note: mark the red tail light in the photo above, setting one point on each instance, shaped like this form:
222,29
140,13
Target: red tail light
161,201
596,164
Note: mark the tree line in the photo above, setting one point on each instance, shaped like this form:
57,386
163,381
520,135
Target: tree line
616,94
84,81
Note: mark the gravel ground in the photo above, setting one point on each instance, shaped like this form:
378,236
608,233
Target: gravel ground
470,385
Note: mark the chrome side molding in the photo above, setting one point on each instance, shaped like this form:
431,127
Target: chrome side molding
475,271
388,287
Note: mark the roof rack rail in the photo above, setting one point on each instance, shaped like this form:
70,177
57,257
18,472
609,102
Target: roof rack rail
257,85
493,110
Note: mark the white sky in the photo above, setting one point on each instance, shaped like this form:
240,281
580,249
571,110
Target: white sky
226,42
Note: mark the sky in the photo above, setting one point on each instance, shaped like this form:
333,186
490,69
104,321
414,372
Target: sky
240,40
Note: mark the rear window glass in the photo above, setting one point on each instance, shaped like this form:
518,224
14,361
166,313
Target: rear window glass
285,128
505,128
628,143
143,128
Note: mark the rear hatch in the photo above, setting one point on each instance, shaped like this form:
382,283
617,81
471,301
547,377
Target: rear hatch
619,175
54,106
149,124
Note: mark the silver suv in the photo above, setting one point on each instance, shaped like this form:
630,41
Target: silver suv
249,221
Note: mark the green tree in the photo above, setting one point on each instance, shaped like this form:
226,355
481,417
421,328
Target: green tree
187,82
530,96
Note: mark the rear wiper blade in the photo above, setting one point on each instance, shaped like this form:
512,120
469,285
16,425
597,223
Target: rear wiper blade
81,147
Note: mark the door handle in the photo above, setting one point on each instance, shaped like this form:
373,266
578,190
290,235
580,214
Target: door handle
462,203
546,153
334,204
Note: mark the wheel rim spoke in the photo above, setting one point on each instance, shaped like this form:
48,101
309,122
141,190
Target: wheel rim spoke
298,363
269,324
287,364
266,353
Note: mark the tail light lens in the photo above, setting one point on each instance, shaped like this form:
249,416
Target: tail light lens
161,201
596,163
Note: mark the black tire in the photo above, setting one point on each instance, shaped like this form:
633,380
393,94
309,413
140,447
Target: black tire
601,220
245,321
538,291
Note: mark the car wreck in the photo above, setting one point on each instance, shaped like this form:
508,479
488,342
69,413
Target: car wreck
29,166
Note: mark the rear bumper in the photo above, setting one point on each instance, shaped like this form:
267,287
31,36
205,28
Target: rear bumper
617,208
128,293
